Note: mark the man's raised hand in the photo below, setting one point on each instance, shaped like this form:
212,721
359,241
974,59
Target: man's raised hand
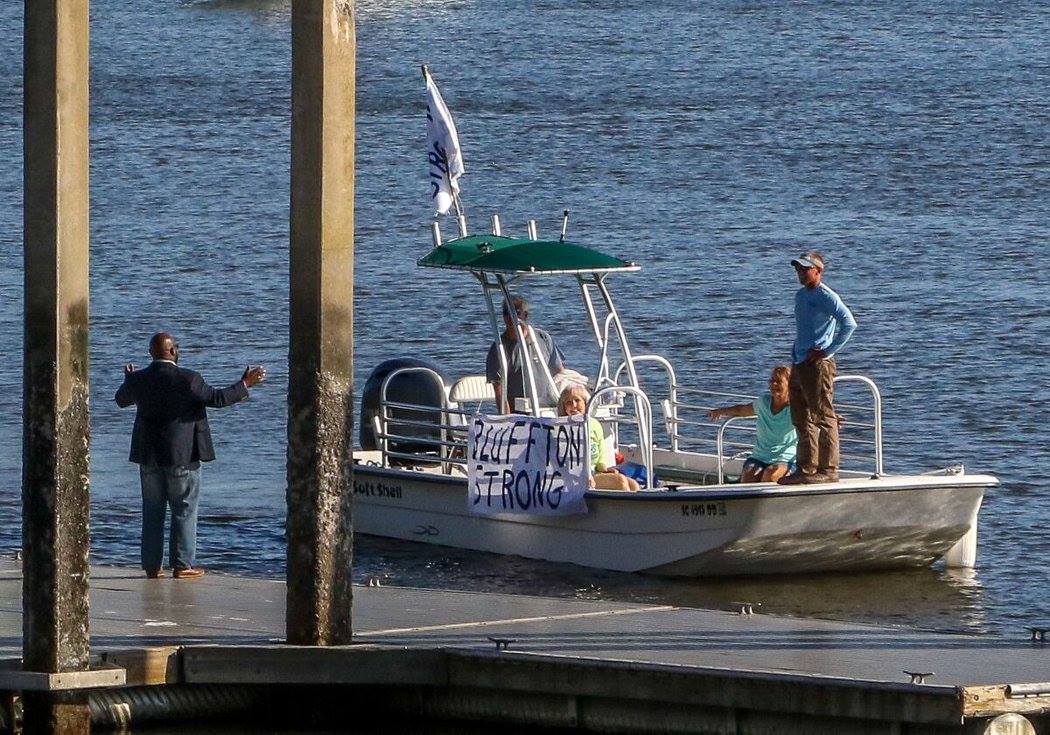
253,375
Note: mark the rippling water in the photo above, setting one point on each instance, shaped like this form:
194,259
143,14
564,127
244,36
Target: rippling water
711,142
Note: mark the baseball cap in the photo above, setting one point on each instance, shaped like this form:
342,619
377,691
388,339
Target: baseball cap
812,259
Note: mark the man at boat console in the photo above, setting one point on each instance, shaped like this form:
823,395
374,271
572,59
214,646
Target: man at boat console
823,324
545,358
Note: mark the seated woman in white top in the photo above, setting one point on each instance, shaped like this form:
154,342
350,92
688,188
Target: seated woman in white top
573,402
776,441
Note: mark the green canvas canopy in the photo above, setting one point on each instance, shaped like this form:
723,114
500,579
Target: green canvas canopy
493,253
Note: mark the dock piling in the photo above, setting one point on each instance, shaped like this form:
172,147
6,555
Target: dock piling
320,355
56,426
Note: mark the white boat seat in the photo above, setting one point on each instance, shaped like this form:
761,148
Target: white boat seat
472,388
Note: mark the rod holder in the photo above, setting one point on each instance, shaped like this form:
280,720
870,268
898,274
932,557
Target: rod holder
462,219
564,225
533,233
496,229
435,233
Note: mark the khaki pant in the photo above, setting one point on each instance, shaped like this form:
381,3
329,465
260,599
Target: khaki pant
813,414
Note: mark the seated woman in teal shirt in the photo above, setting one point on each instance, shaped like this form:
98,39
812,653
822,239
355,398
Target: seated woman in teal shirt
776,441
573,402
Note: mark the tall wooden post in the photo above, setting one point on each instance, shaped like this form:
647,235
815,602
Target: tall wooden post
320,356
56,427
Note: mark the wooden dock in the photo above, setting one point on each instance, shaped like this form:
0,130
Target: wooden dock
598,666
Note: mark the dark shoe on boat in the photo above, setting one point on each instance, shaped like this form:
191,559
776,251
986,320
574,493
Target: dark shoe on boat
188,573
154,573
795,478
818,478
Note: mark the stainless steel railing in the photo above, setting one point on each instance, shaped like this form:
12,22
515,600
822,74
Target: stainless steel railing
670,404
851,447
729,439
720,444
643,419
875,426
446,428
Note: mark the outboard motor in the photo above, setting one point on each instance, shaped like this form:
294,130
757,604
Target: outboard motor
417,388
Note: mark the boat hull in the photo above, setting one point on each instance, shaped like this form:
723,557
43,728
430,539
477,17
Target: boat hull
851,525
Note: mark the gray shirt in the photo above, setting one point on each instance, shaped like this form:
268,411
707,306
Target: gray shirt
548,353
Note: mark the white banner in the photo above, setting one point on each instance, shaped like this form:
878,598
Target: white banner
443,151
525,464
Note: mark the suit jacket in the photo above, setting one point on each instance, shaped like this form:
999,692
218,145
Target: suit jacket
171,423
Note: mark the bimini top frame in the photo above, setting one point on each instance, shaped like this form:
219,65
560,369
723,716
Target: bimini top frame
498,261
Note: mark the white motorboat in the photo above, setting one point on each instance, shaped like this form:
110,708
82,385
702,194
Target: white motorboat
410,478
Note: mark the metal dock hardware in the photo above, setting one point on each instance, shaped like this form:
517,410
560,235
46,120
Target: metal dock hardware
918,677
747,608
1033,689
501,643
1038,633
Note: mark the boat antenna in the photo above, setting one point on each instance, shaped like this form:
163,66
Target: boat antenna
564,225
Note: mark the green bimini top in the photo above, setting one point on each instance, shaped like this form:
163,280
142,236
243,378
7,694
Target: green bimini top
497,254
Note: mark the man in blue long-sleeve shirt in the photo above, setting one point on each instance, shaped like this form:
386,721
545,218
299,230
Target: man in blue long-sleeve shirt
823,324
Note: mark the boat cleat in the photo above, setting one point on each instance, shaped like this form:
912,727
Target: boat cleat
501,643
1038,633
747,608
918,677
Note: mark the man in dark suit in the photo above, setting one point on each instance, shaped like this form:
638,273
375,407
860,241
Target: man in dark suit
170,440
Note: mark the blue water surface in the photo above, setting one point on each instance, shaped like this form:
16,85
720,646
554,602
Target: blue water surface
711,142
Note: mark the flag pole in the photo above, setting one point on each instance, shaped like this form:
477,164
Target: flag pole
461,217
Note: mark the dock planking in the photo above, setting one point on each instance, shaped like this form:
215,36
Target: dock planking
224,629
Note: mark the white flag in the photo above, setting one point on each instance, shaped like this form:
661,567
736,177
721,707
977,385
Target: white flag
443,152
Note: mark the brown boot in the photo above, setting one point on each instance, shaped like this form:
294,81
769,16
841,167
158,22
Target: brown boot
819,477
188,573
795,478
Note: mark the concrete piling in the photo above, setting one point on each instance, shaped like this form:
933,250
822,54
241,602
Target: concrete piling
320,356
56,424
